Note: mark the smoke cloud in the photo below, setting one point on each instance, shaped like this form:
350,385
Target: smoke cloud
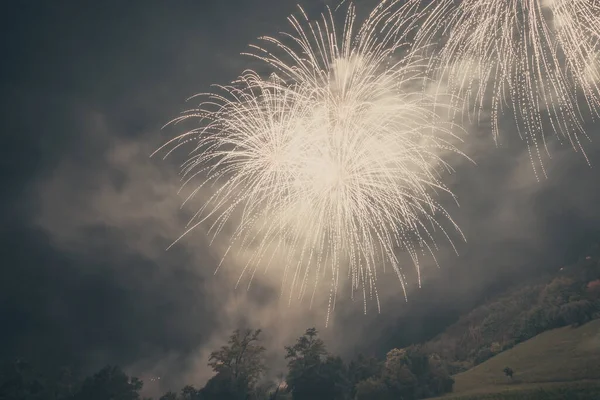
99,212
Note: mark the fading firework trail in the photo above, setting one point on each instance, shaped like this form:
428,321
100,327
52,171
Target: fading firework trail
534,57
334,161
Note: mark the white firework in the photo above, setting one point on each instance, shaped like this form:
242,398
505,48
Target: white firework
534,58
336,159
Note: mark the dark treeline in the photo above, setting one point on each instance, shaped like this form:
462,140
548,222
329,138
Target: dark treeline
240,374
570,296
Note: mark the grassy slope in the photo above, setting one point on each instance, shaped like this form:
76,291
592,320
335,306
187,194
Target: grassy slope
549,300
560,355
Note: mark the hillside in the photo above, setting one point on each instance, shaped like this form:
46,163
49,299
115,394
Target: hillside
550,359
569,296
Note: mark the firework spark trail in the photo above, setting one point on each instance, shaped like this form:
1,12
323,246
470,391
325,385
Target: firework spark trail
532,56
336,159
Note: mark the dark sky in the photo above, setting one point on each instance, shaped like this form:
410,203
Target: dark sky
86,214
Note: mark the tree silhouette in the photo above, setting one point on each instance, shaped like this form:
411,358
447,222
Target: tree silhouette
508,372
110,383
169,396
363,368
19,380
239,365
371,389
313,374
190,393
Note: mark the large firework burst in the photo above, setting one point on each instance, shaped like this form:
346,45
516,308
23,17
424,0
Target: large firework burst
534,57
335,160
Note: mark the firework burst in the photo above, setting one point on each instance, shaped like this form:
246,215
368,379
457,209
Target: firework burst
335,160
532,57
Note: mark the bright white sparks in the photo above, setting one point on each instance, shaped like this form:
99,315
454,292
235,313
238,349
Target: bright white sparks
336,160
534,57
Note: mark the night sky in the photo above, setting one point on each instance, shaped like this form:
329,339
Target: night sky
87,214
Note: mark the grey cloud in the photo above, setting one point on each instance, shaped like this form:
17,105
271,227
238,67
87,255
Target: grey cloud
92,218
126,203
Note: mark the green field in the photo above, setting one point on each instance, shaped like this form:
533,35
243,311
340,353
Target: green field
562,363
580,390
